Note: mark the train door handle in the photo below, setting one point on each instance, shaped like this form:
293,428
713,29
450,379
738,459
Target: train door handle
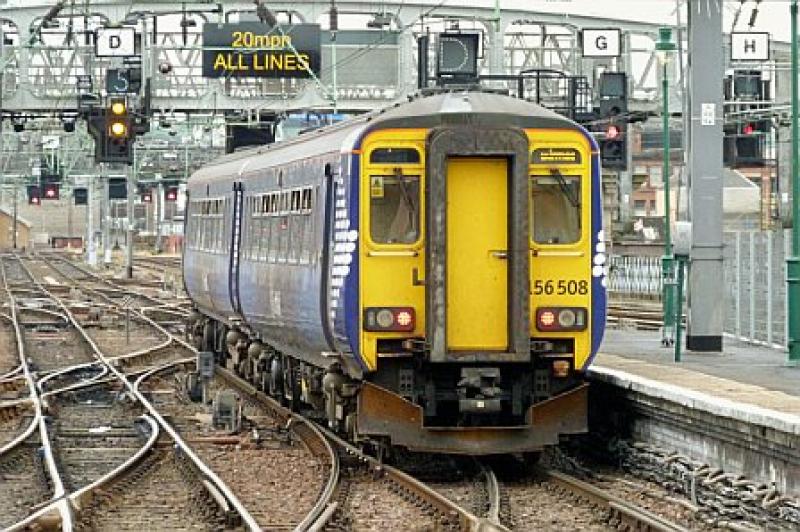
499,254
415,280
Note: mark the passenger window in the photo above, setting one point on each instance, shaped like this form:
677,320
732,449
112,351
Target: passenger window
556,208
394,208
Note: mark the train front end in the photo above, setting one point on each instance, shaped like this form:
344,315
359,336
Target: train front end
481,271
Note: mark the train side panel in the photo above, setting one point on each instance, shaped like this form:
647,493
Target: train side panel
207,252
281,266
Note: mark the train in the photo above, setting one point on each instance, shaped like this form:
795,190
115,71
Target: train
430,276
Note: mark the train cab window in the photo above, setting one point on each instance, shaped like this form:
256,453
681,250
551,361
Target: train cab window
394,156
556,208
394,208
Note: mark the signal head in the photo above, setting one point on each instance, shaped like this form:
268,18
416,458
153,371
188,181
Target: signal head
118,129
118,108
613,131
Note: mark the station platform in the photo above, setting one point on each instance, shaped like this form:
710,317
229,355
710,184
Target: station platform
738,411
742,373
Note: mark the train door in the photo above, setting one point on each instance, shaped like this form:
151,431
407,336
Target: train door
477,265
235,247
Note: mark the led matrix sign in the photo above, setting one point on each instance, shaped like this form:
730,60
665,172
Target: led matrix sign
252,49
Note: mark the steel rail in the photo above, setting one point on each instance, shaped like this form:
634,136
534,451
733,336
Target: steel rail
630,515
98,278
84,496
308,433
12,375
62,507
492,493
24,435
185,448
467,520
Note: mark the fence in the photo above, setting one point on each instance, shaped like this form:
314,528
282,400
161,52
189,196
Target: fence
754,266
635,277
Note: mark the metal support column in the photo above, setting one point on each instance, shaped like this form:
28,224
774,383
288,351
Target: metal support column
15,227
793,262
131,182
497,55
158,204
105,218
706,71
91,250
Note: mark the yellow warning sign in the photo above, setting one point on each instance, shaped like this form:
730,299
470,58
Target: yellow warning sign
376,186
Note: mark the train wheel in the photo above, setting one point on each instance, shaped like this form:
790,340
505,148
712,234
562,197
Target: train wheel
208,337
263,378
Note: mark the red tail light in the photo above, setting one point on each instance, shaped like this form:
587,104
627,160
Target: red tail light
561,319
398,319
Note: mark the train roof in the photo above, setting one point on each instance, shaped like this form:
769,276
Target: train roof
451,108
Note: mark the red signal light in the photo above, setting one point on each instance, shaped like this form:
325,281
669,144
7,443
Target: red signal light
147,197
748,129
51,191
34,200
612,132
171,194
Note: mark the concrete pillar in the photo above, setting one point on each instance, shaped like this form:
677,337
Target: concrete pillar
706,70
497,53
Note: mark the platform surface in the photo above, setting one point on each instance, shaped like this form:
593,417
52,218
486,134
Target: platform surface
746,375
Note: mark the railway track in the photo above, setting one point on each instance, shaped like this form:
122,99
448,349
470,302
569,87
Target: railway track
366,494
100,450
392,501
263,461
15,418
638,315
24,482
94,431
349,492
162,493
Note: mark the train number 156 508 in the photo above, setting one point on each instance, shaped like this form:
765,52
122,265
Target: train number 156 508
560,287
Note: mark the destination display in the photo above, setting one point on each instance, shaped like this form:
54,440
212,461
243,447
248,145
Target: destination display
556,156
252,49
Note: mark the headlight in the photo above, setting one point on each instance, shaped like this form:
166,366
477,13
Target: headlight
397,319
561,319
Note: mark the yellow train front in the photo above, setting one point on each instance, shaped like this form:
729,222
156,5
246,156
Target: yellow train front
461,288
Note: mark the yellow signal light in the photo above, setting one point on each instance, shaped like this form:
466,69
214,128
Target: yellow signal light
118,129
118,108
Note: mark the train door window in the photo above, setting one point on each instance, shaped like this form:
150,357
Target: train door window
274,223
297,225
306,201
307,223
555,208
244,247
220,225
225,229
264,236
316,232
394,208
284,205
249,231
